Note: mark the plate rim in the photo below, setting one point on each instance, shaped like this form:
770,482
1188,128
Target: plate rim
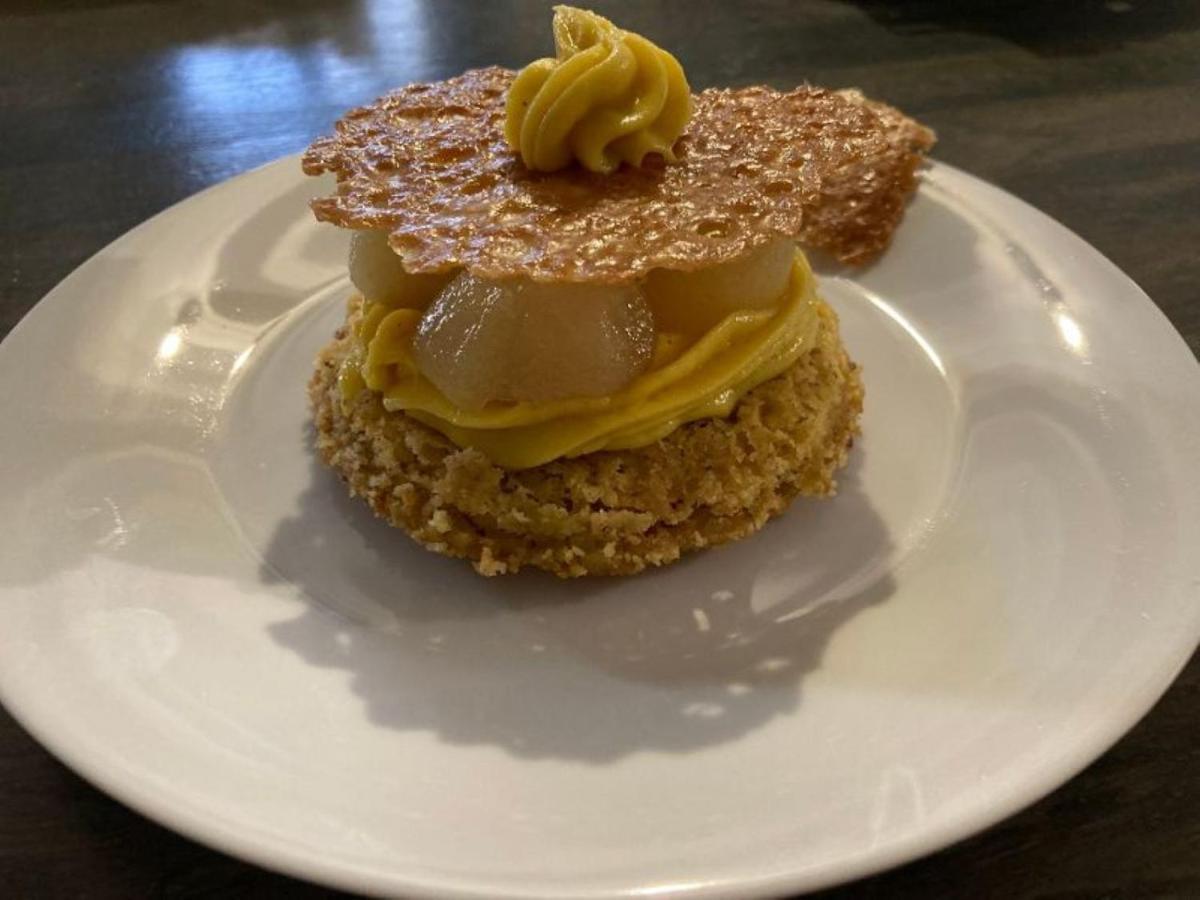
276,853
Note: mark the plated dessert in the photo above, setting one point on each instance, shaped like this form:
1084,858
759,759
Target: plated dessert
586,338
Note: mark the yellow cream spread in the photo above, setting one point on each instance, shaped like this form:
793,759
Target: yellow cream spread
685,382
608,97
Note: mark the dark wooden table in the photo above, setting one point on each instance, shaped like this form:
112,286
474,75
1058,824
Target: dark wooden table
111,110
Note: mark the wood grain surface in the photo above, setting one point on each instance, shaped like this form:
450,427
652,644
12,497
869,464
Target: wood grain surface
112,110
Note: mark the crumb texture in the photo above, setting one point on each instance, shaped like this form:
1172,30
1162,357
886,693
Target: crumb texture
606,513
429,163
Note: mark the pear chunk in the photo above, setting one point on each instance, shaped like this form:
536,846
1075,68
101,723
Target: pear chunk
485,341
692,302
377,272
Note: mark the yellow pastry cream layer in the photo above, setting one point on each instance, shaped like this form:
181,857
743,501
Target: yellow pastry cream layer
608,96
687,380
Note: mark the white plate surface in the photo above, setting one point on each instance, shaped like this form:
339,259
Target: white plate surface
195,617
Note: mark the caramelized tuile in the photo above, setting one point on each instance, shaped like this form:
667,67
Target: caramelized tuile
429,163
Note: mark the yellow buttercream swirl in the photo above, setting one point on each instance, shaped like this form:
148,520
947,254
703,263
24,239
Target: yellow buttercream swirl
704,380
608,97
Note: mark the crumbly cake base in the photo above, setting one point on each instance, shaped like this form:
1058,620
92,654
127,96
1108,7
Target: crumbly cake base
606,513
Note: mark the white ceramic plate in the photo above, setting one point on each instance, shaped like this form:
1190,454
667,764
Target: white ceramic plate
194,616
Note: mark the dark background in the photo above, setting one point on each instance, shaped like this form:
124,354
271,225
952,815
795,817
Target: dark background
110,111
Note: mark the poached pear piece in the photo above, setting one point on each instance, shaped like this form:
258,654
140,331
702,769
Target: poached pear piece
688,302
380,276
520,341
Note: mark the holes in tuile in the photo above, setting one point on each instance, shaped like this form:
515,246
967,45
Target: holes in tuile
713,227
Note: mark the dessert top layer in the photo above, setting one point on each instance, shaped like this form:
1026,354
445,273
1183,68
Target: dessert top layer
429,163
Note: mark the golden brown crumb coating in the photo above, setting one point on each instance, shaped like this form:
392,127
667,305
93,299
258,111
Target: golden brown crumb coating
610,512
429,163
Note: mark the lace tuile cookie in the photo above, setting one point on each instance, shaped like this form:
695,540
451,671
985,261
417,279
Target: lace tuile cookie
429,163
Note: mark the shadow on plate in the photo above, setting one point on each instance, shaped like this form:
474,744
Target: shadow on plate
673,660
